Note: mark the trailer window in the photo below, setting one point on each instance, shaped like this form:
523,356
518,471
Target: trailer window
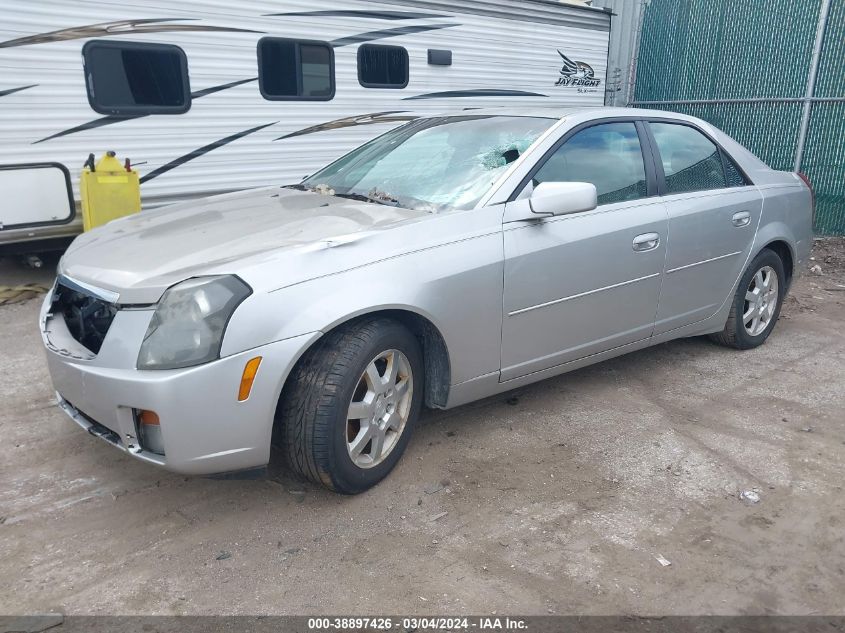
295,69
136,78
382,66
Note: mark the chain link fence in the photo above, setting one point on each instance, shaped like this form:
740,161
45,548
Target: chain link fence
746,66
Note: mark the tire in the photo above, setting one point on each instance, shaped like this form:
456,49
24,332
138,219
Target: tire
738,332
318,438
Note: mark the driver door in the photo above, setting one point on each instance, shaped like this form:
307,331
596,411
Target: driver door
579,284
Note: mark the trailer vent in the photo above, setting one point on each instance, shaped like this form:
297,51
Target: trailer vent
439,57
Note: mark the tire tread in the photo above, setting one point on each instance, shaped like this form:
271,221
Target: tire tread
311,397
730,335
727,336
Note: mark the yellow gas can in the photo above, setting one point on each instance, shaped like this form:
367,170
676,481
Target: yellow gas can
109,190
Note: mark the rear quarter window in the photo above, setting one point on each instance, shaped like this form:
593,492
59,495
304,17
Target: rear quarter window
733,176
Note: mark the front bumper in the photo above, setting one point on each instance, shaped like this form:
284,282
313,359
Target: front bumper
205,429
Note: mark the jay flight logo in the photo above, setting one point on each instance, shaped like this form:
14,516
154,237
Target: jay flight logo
576,74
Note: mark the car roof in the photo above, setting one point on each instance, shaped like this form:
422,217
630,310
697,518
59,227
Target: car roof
756,168
560,113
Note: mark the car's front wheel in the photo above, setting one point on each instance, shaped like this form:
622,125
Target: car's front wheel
756,304
348,410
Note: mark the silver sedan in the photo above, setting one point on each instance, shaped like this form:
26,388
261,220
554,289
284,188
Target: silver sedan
450,259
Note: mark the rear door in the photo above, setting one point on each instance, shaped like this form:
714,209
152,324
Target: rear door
579,284
713,212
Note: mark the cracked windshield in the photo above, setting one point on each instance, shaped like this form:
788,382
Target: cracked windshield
431,164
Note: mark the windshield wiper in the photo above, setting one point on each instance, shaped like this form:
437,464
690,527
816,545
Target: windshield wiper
379,197
353,196
374,196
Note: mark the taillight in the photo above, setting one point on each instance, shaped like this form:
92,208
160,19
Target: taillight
807,182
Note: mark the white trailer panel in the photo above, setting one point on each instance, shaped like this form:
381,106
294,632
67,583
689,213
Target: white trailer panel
231,137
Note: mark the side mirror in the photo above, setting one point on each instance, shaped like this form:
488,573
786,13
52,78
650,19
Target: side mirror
562,198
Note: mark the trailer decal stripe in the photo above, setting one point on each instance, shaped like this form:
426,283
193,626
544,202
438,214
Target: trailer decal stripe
213,89
117,118
91,125
205,149
3,93
361,119
547,12
120,27
481,92
370,36
360,13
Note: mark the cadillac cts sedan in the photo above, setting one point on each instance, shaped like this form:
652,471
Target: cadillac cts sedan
450,259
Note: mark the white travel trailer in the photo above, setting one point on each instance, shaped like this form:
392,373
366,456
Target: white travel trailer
210,96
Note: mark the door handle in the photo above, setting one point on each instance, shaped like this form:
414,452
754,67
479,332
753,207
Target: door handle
741,218
646,242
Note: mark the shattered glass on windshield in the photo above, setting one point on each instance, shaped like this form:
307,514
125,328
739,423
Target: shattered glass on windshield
432,164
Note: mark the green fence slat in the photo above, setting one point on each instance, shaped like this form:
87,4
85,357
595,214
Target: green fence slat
706,49
824,163
831,78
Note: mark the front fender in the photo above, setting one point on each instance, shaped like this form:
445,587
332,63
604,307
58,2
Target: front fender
457,287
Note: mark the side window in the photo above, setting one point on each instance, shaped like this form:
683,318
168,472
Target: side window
381,66
733,175
136,78
295,70
607,155
691,162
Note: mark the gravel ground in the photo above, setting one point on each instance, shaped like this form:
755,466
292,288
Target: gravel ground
562,497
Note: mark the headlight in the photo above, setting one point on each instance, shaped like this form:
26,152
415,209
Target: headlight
188,324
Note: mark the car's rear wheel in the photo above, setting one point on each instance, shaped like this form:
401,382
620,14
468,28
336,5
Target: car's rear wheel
348,411
756,304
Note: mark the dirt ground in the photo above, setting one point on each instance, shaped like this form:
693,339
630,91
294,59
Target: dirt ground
557,498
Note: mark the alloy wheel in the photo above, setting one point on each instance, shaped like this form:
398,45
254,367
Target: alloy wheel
379,410
761,300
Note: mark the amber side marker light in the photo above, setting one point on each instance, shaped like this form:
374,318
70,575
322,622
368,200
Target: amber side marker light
148,417
149,430
248,378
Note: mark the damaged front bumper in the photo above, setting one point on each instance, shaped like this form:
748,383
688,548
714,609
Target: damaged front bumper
204,428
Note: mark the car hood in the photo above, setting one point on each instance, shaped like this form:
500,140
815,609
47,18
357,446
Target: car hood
141,255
